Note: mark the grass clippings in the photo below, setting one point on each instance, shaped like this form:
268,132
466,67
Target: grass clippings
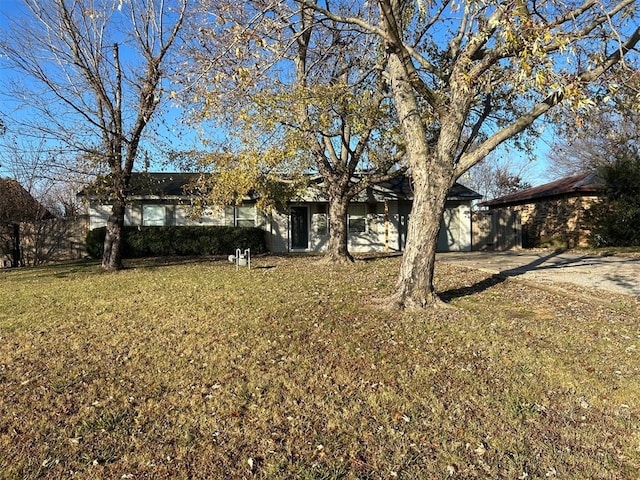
196,370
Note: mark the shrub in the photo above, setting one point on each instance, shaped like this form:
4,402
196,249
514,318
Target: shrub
95,241
614,220
188,240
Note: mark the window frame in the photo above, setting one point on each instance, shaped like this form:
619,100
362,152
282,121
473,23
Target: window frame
240,220
151,219
357,219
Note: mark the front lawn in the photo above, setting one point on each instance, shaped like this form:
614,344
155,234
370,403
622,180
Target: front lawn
291,370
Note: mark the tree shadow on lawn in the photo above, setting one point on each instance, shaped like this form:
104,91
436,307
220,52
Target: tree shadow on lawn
59,270
372,257
497,278
449,295
151,263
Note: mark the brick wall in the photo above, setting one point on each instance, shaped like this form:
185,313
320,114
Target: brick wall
556,222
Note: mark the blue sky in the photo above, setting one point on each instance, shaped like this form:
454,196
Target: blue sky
11,9
8,9
167,126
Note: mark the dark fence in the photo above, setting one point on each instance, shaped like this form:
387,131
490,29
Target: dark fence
499,229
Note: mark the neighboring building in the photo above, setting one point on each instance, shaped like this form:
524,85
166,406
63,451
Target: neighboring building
377,218
553,214
20,214
17,205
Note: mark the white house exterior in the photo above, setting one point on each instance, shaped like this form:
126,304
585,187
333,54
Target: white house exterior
377,218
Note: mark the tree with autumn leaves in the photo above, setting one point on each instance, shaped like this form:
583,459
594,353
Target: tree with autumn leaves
464,77
349,87
469,76
298,95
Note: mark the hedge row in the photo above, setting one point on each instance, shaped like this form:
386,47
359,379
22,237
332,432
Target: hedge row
164,241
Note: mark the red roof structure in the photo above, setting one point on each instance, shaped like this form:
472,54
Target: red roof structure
584,183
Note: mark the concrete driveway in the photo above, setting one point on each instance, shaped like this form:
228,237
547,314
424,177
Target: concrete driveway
610,273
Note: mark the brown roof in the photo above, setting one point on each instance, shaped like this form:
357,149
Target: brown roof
584,183
17,205
401,187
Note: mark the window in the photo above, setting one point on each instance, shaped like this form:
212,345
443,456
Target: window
357,219
321,223
245,216
153,215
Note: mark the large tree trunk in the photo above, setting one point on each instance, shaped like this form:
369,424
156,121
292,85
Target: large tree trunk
338,250
114,238
414,287
432,173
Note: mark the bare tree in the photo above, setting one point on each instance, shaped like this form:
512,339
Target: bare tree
599,136
95,74
50,224
497,176
468,76
51,180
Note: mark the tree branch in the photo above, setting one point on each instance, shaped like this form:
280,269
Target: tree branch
526,120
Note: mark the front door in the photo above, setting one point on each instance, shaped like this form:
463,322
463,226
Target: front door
299,228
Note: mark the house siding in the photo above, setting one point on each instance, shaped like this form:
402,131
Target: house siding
277,231
377,222
455,230
385,225
318,227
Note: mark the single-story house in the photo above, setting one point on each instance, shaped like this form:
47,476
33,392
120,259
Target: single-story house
377,217
553,213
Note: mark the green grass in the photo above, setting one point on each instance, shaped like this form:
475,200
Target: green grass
290,370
